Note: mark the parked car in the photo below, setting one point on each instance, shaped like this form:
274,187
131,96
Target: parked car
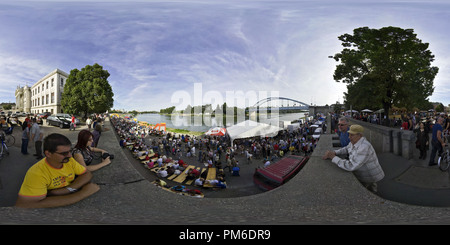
61,120
44,115
317,133
19,114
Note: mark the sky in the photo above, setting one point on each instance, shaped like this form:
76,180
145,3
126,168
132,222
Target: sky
172,53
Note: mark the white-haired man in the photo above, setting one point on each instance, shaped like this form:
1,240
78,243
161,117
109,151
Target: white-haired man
362,160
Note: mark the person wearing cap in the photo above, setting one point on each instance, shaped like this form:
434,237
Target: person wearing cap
362,160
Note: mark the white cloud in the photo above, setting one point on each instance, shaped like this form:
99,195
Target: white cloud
19,71
153,50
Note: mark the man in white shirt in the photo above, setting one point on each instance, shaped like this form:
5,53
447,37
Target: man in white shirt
362,161
159,161
37,135
199,181
193,151
162,173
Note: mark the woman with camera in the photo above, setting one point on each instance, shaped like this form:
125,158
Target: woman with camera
83,152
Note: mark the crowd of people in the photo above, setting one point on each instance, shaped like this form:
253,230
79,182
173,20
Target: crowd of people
162,149
170,149
210,149
62,163
431,130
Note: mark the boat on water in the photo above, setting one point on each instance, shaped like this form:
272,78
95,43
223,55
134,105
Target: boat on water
277,174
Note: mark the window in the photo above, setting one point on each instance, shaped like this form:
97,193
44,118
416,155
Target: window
53,98
62,82
46,99
53,82
47,85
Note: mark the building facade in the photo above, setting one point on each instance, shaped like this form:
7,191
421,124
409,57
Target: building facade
44,95
23,99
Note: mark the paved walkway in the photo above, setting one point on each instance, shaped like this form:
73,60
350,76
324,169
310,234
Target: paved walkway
414,182
320,193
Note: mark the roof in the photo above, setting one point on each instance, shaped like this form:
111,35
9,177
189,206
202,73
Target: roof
249,128
283,169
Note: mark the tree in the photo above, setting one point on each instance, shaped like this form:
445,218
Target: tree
167,110
440,108
385,67
7,107
87,91
363,94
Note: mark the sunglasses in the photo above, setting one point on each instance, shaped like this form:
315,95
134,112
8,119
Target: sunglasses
65,153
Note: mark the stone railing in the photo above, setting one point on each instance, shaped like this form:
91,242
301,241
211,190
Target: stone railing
386,139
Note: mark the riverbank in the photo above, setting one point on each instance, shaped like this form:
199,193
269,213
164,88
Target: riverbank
184,131
169,127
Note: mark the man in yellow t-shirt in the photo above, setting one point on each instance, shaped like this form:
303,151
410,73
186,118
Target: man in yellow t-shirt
57,180
42,177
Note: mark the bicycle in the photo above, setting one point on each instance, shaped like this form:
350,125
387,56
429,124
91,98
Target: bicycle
9,138
444,159
3,147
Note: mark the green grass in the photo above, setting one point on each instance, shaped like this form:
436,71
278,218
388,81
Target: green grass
184,131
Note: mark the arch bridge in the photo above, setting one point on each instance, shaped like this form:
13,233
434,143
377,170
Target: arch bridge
270,102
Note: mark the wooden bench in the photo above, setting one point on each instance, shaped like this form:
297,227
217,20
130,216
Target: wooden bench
189,182
182,177
156,169
212,174
150,155
173,176
151,160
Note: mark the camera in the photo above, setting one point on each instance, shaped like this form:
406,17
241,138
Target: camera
106,154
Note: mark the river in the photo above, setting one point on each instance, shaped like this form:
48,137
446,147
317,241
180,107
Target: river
195,123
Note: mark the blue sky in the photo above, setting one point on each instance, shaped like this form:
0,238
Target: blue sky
152,49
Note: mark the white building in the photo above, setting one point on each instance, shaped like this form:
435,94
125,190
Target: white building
43,96
23,99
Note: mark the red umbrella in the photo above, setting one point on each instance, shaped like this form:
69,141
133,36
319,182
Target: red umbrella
216,131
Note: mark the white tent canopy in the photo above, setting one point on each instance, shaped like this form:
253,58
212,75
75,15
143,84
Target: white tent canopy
353,111
249,128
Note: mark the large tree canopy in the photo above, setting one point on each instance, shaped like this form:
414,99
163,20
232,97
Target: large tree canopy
385,67
87,91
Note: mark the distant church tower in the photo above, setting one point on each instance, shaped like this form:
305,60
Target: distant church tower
23,99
